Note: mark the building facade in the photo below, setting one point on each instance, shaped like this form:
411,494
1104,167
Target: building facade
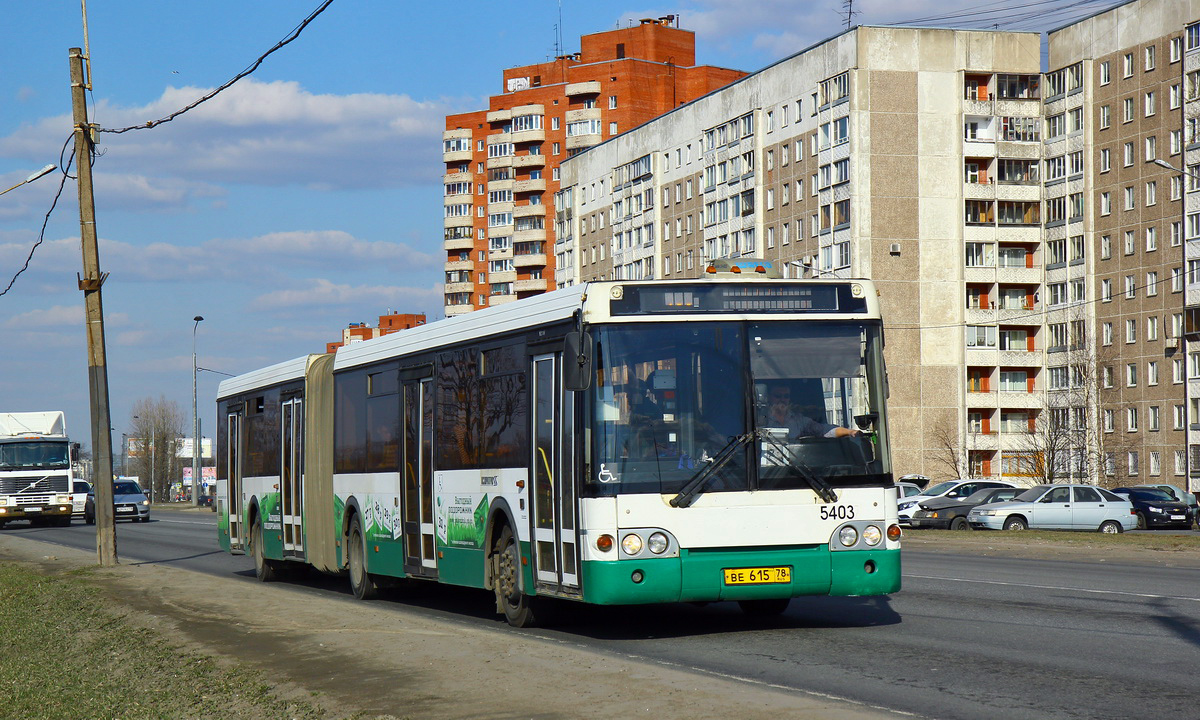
849,159
1126,76
1034,235
502,164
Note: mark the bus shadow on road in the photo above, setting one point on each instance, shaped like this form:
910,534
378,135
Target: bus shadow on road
688,619
622,622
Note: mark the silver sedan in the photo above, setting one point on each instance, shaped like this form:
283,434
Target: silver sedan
1058,507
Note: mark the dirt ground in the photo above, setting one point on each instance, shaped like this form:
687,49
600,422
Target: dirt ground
379,660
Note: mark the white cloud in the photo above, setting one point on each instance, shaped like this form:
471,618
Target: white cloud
326,294
47,318
260,133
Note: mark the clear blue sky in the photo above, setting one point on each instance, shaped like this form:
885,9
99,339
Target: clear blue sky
306,197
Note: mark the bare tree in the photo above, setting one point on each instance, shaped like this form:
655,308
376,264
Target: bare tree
156,427
948,451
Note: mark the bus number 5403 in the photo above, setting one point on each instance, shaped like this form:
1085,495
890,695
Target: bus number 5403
837,512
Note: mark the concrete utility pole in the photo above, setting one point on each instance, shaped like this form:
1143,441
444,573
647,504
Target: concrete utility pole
89,283
196,440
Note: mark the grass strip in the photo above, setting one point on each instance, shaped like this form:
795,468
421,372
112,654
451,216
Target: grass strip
66,652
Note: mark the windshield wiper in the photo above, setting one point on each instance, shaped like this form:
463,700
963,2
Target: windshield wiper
781,453
691,489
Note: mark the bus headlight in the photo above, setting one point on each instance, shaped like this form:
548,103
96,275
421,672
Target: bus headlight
872,535
658,543
848,535
631,544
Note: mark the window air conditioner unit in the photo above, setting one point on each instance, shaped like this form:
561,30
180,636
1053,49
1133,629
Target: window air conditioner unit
895,249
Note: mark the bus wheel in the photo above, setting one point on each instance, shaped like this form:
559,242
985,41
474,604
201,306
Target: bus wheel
361,583
764,608
264,569
516,605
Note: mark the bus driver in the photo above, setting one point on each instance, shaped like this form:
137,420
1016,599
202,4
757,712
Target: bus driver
781,413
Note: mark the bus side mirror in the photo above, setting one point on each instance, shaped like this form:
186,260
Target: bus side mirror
577,361
866,422
74,452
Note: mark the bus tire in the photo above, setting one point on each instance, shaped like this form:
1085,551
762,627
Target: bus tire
361,583
764,608
264,569
506,579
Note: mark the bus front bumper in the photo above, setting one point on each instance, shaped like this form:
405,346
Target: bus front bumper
700,575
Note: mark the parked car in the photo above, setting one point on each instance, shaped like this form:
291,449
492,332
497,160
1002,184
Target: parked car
129,503
79,491
921,481
1058,507
947,513
906,489
1181,495
1155,508
950,488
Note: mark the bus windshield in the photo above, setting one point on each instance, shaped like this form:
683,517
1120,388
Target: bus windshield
40,454
769,405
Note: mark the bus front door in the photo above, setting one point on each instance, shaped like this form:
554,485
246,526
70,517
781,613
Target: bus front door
291,475
417,471
233,455
554,516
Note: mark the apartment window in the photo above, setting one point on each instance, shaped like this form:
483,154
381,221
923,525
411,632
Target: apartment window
1128,154
1131,425
1151,236
1105,117
1105,246
1130,331
1176,279
1130,288
1108,421
1176,50
1175,96
1106,376
1176,234
612,102
1152,375
1105,203
1106,333
1105,73
1106,290
1133,456
1127,110
1127,65
1177,374
1149,102
1179,418
1148,64
1151,148
1130,198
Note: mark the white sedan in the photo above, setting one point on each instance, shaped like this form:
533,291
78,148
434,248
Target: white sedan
1058,507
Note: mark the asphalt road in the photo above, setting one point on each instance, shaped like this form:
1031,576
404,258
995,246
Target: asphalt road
968,636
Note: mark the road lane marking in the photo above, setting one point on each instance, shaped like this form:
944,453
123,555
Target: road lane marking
1058,587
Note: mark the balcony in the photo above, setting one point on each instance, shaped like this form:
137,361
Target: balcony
583,88
459,244
532,260
528,136
527,161
531,235
453,265
496,116
538,285
452,310
583,141
463,221
499,162
583,114
522,186
458,287
529,210
505,276
458,177
457,158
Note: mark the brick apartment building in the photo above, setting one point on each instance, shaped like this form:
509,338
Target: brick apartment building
502,164
388,324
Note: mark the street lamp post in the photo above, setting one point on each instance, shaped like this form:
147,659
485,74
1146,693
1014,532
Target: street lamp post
195,423
44,171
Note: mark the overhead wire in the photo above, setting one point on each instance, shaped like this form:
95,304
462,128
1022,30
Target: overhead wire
66,167
65,160
295,33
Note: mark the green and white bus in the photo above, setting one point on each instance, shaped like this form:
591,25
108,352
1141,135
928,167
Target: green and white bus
606,443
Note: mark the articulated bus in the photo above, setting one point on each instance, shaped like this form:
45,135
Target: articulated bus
607,443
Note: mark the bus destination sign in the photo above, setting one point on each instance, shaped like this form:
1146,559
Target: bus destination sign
758,297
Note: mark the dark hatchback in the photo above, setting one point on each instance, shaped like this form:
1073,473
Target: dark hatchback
1155,508
946,513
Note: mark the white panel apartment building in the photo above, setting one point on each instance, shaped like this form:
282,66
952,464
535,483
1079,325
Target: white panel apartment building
850,158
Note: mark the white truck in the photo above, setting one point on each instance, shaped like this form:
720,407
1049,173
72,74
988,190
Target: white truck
36,475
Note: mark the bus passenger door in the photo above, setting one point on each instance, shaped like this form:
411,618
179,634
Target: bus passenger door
291,438
554,526
233,456
417,471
